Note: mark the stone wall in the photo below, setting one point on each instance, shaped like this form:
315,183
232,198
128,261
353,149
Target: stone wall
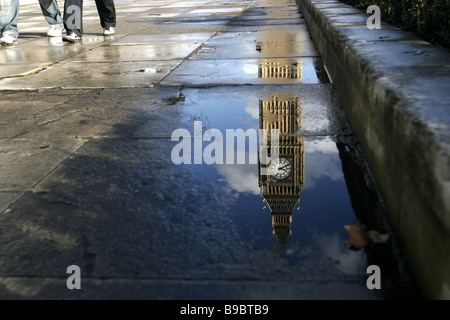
395,91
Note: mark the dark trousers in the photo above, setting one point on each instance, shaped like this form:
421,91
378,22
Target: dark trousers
73,14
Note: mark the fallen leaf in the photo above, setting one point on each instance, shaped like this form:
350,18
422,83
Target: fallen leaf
359,237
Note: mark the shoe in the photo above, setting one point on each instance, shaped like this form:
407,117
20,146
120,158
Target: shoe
109,31
71,37
8,37
55,30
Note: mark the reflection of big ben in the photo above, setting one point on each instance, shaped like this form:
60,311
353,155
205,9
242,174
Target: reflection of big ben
281,189
279,68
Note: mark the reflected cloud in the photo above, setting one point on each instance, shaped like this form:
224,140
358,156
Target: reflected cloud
252,107
241,178
322,162
250,69
346,261
322,146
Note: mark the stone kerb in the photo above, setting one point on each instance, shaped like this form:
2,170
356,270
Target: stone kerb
395,90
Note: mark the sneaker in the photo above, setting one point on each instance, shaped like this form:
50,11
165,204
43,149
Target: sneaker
8,37
55,30
109,31
71,37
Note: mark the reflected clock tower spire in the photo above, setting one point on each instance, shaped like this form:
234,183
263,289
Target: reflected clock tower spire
281,189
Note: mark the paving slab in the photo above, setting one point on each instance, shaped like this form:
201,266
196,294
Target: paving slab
139,113
38,54
20,70
114,74
6,198
264,22
163,38
247,71
300,28
142,52
74,114
25,162
258,45
18,155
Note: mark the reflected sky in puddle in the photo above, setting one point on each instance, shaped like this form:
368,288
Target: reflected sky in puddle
299,215
240,109
309,225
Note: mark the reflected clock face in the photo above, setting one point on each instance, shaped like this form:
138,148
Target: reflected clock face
280,168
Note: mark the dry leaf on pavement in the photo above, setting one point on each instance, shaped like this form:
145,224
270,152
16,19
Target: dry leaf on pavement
359,237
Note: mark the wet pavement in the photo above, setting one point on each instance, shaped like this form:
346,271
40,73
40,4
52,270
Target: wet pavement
88,175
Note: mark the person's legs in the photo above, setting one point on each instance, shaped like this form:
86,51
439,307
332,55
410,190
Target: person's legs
51,11
9,13
107,12
73,16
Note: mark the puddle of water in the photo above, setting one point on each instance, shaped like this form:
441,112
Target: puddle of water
271,35
249,71
300,214
240,109
296,214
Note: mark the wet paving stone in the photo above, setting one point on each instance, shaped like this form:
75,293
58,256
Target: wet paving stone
142,52
163,38
247,71
262,44
113,74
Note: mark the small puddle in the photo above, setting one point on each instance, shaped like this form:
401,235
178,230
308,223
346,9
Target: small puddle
304,212
301,212
248,71
294,211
